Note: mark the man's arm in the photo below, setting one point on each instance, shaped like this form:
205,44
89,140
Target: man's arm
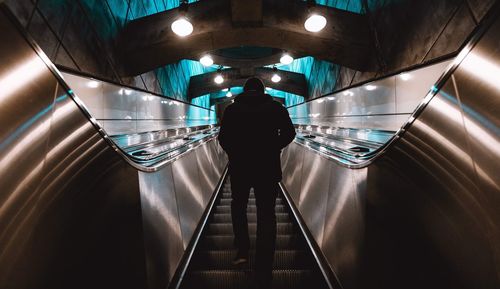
286,128
225,131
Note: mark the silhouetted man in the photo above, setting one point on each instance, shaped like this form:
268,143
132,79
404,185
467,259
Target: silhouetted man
254,130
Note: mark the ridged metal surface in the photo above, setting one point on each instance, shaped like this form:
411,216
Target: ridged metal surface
211,265
425,213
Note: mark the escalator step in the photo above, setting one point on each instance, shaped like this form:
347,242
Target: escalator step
221,260
227,229
252,218
216,242
227,209
227,202
228,279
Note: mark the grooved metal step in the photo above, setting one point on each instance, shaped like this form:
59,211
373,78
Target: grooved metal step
227,229
227,202
221,260
229,279
252,218
251,209
224,242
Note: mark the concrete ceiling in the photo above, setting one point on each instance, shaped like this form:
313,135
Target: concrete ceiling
204,84
148,43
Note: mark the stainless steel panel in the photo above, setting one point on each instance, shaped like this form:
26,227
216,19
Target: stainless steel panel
411,87
206,172
69,205
314,193
292,173
379,97
189,194
89,91
118,103
162,231
344,224
478,90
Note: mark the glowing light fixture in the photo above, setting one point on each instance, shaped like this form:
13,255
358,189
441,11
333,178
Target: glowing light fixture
206,60
182,27
268,88
219,79
225,89
229,94
276,78
405,76
93,84
315,23
286,59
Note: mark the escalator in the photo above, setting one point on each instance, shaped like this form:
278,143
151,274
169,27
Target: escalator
294,265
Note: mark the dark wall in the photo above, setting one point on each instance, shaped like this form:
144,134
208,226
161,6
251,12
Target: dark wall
412,32
80,34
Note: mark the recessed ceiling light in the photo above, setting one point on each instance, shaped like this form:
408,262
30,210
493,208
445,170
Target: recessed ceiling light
286,59
405,76
219,79
182,27
370,87
276,78
207,60
93,84
315,23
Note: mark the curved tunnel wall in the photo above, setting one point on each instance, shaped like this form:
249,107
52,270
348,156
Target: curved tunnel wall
424,214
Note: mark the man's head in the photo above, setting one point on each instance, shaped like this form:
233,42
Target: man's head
254,84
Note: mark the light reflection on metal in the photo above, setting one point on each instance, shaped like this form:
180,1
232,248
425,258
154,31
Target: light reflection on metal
24,73
483,69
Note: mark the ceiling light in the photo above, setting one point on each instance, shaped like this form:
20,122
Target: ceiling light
405,76
219,79
370,87
225,89
207,60
276,78
286,59
182,27
229,94
315,23
93,84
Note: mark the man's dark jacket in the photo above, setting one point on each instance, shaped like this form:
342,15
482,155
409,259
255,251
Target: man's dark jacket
254,130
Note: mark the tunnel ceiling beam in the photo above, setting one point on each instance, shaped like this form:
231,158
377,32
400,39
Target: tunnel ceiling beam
204,84
148,43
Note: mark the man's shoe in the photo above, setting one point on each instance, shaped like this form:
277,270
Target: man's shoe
241,258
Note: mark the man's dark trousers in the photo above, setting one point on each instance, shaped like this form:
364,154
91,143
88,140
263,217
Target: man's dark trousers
265,197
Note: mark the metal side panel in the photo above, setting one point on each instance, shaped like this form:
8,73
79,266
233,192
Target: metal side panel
215,162
314,193
292,173
424,205
344,224
162,231
206,171
189,194
478,75
69,205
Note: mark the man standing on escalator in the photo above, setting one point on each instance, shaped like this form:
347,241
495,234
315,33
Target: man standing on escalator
254,130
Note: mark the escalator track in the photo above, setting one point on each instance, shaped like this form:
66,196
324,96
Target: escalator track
210,267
